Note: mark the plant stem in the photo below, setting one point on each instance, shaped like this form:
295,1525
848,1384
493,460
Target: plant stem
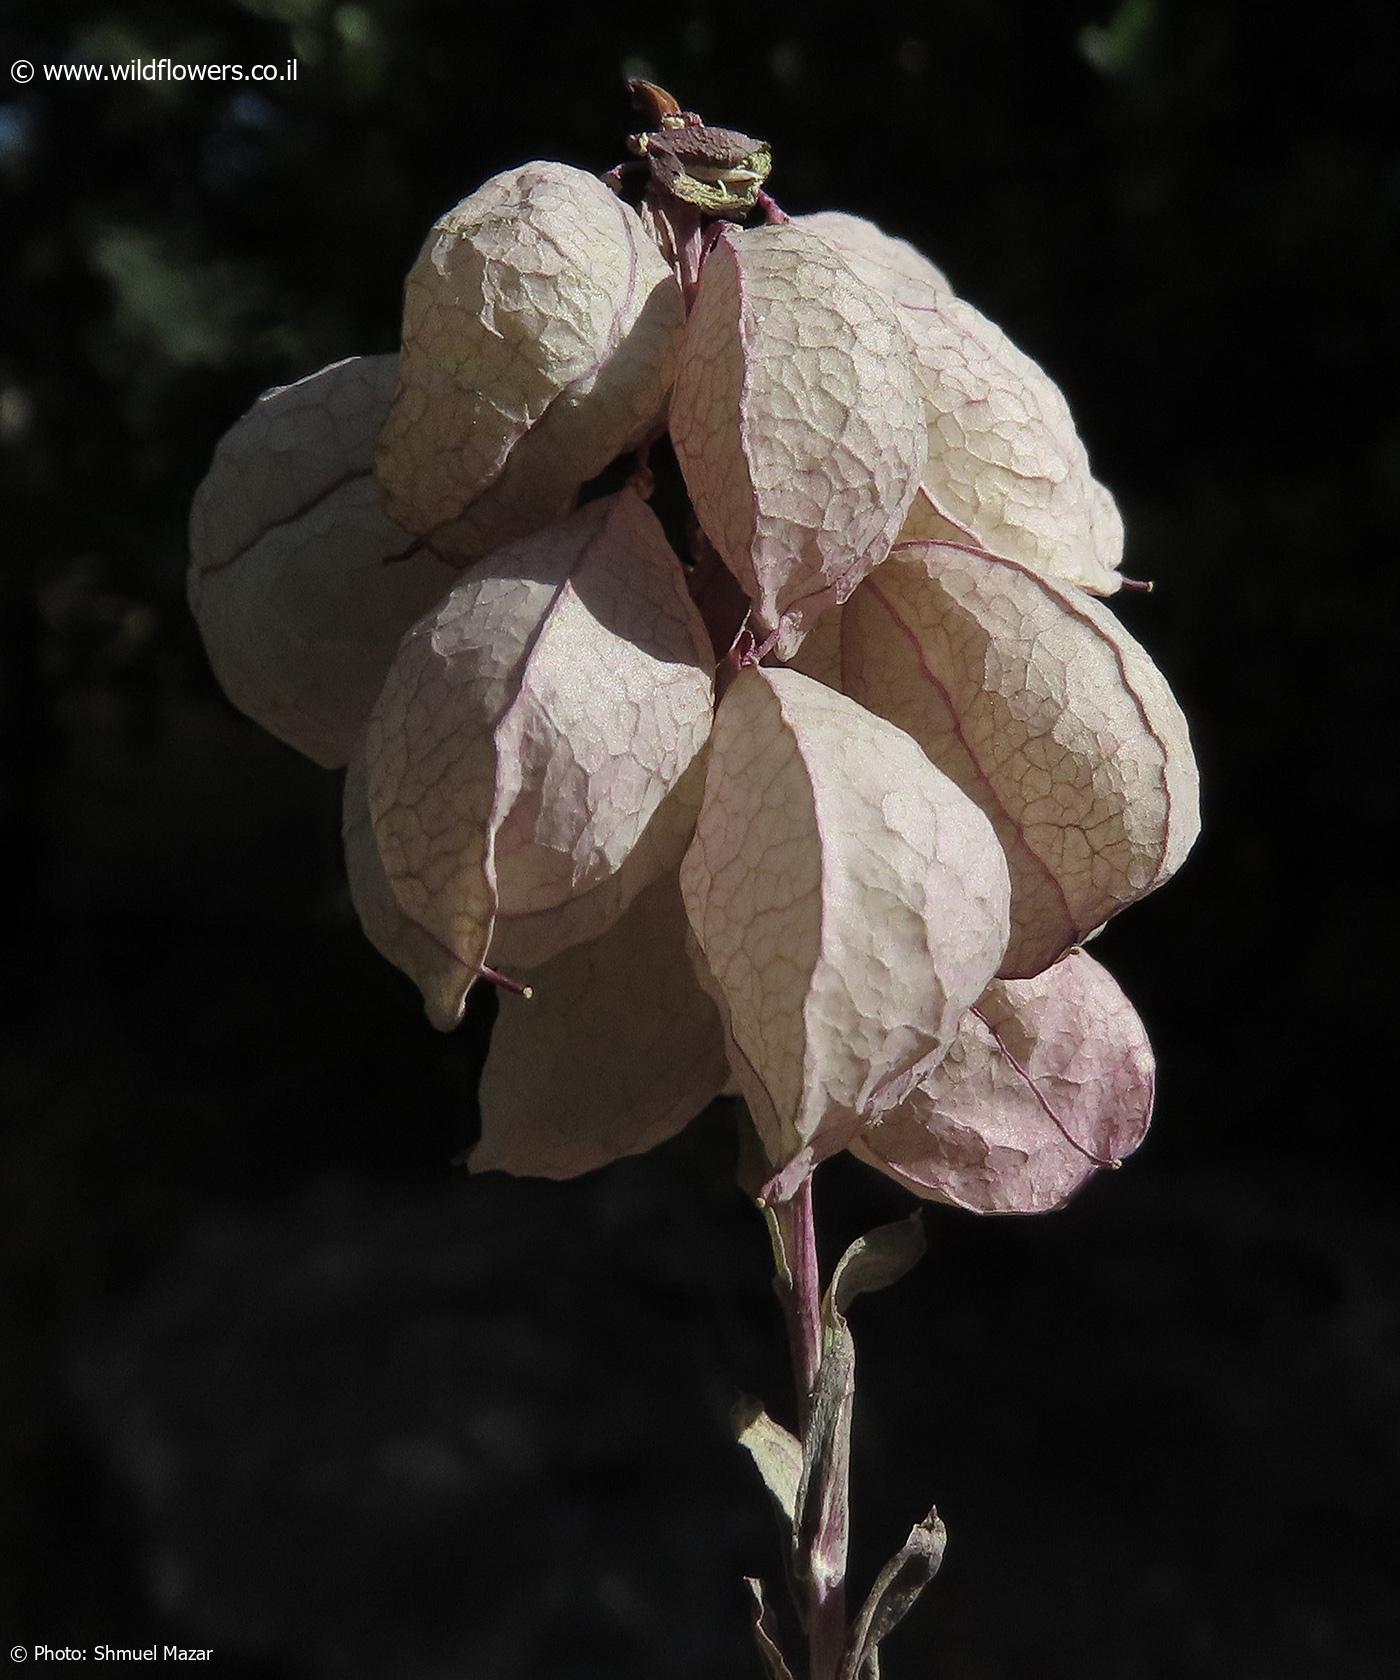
826,1630
801,1294
824,1613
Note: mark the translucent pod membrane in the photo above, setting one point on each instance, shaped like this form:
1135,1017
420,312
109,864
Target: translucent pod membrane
1047,714
540,332
798,422
848,903
299,582
1049,1079
520,758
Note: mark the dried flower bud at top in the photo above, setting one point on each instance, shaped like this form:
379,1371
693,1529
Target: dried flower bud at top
1049,1079
798,422
299,583
539,337
718,170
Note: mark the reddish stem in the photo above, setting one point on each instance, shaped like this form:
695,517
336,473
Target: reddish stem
506,984
801,1297
824,1613
773,213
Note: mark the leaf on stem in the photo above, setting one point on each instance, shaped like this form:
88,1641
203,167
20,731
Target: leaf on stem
897,1589
821,1533
872,1262
765,1632
777,1455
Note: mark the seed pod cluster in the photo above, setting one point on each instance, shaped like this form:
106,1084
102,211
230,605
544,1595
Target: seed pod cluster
842,863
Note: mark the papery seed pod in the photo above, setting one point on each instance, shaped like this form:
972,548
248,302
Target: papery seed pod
924,523
1045,712
1049,1079
539,339
443,977
526,939
525,946
798,422
617,1050
884,263
1005,463
300,585
848,902
1006,468
530,731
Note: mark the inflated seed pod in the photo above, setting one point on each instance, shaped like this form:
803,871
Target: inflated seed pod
539,338
300,583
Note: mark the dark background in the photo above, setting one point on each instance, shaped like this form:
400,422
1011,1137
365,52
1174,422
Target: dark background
278,1380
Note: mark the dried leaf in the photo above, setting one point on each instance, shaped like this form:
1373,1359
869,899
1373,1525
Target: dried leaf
539,340
531,728
765,1632
292,448
299,583
1005,464
797,420
872,1262
821,1531
617,1050
518,944
1047,714
777,1455
821,1535
848,904
897,1589
1049,1079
